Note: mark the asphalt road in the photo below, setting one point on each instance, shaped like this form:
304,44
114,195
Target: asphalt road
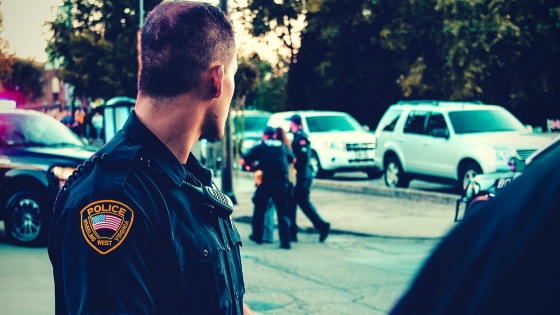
345,275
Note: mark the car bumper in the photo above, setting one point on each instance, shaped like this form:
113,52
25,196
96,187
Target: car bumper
347,161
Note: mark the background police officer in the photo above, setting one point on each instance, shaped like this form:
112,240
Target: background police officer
273,158
302,151
133,230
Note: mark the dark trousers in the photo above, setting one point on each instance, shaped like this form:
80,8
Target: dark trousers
278,191
301,198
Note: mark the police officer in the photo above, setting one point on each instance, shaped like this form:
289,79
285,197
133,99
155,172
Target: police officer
273,158
302,151
138,229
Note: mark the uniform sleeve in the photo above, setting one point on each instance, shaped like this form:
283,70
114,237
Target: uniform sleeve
104,244
253,155
301,150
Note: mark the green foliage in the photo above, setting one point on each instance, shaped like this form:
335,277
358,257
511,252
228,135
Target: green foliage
26,81
97,42
247,78
271,92
265,16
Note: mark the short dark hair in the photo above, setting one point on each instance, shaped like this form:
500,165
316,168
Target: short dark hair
179,41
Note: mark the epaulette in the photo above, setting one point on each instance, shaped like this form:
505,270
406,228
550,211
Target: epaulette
88,166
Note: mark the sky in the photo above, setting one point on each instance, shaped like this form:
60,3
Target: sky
27,35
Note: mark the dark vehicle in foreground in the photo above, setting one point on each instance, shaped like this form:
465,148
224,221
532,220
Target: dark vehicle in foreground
483,187
37,155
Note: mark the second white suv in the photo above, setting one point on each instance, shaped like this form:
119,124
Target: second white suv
449,142
338,142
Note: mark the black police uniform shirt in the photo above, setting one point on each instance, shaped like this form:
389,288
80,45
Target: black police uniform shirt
302,151
127,237
503,258
273,158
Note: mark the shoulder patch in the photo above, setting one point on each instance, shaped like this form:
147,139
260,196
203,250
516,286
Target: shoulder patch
105,224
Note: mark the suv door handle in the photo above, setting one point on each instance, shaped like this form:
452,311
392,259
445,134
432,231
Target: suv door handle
427,142
400,139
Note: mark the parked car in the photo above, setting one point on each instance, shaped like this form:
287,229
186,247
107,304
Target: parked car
338,142
37,154
449,142
247,132
484,187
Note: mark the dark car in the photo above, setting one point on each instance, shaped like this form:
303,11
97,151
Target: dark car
37,154
485,186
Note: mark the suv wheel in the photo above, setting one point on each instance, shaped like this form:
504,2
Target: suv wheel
394,174
468,173
26,221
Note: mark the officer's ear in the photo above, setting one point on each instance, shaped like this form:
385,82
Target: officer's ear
217,80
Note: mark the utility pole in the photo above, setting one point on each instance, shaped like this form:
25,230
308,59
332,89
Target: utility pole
227,169
141,24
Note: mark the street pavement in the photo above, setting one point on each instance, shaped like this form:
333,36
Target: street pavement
364,267
346,274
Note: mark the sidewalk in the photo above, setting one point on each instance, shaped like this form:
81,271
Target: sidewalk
362,213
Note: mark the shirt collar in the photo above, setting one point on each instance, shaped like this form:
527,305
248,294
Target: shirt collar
161,154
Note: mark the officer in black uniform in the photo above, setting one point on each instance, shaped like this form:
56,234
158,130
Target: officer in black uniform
138,229
302,150
273,158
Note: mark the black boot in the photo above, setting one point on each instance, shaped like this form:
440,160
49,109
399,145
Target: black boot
324,232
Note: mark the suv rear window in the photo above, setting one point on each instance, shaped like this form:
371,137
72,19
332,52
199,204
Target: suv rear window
484,121
415,123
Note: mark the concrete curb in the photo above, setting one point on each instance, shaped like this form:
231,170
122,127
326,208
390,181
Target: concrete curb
248,220
411,194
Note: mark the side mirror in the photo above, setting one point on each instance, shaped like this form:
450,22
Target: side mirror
366,127
440,133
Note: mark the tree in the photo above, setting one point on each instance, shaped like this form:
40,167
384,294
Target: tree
6,60
97,43
279,17
26,81
342,64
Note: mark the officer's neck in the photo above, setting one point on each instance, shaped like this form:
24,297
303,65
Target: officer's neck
177,122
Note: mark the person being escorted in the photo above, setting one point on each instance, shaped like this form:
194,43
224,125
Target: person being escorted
304,178
138,229
273,158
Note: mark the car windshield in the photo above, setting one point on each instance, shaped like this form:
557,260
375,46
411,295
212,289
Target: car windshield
330,123
35,130
484,121
252,123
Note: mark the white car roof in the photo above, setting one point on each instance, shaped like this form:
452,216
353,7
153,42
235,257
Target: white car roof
444,106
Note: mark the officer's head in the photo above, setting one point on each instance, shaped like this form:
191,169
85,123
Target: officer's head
268,133
295,123
188,48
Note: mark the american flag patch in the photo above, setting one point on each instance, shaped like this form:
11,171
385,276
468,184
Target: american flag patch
106,221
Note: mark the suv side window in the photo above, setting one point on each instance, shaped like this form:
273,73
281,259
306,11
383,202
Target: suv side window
436,121
389,120
415,123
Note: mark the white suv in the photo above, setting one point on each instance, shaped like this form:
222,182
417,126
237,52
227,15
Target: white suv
338,142
449,142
